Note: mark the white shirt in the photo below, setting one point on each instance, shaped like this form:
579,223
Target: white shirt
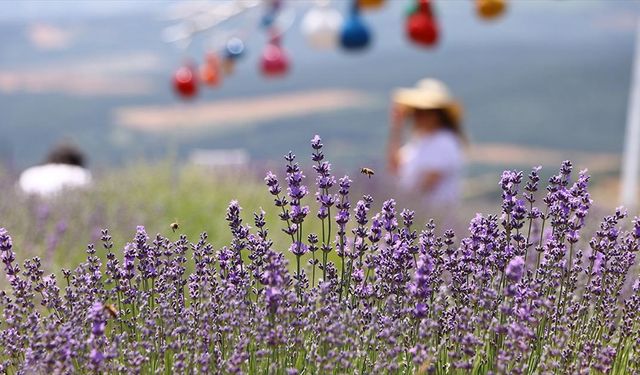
438,152
49,179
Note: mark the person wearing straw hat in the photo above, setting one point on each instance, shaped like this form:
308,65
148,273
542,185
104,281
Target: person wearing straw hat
430,163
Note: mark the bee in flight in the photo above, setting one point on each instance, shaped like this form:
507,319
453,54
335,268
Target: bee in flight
367,171
111,310
174,226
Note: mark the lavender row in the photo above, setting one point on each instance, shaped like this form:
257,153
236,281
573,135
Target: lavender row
525,292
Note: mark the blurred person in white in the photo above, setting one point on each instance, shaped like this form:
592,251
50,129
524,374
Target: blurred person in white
429,165
63,169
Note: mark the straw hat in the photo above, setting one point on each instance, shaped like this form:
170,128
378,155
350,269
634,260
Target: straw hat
430,93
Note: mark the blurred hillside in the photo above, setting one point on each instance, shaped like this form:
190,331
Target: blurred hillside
549,75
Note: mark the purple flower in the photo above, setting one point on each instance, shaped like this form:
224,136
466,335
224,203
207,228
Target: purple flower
420,311
272,182
345,184
97,317
7,255
326,200
298,213
316,142
324,180
361,211
421,285
297,192
515,268
298,248
96,357
342,218
5,240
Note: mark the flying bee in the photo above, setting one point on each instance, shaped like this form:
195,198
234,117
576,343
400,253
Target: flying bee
111,310
174,226
367,171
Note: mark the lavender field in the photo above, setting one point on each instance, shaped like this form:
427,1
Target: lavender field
323,281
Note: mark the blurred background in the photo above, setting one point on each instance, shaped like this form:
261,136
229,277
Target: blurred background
547,75
547,80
